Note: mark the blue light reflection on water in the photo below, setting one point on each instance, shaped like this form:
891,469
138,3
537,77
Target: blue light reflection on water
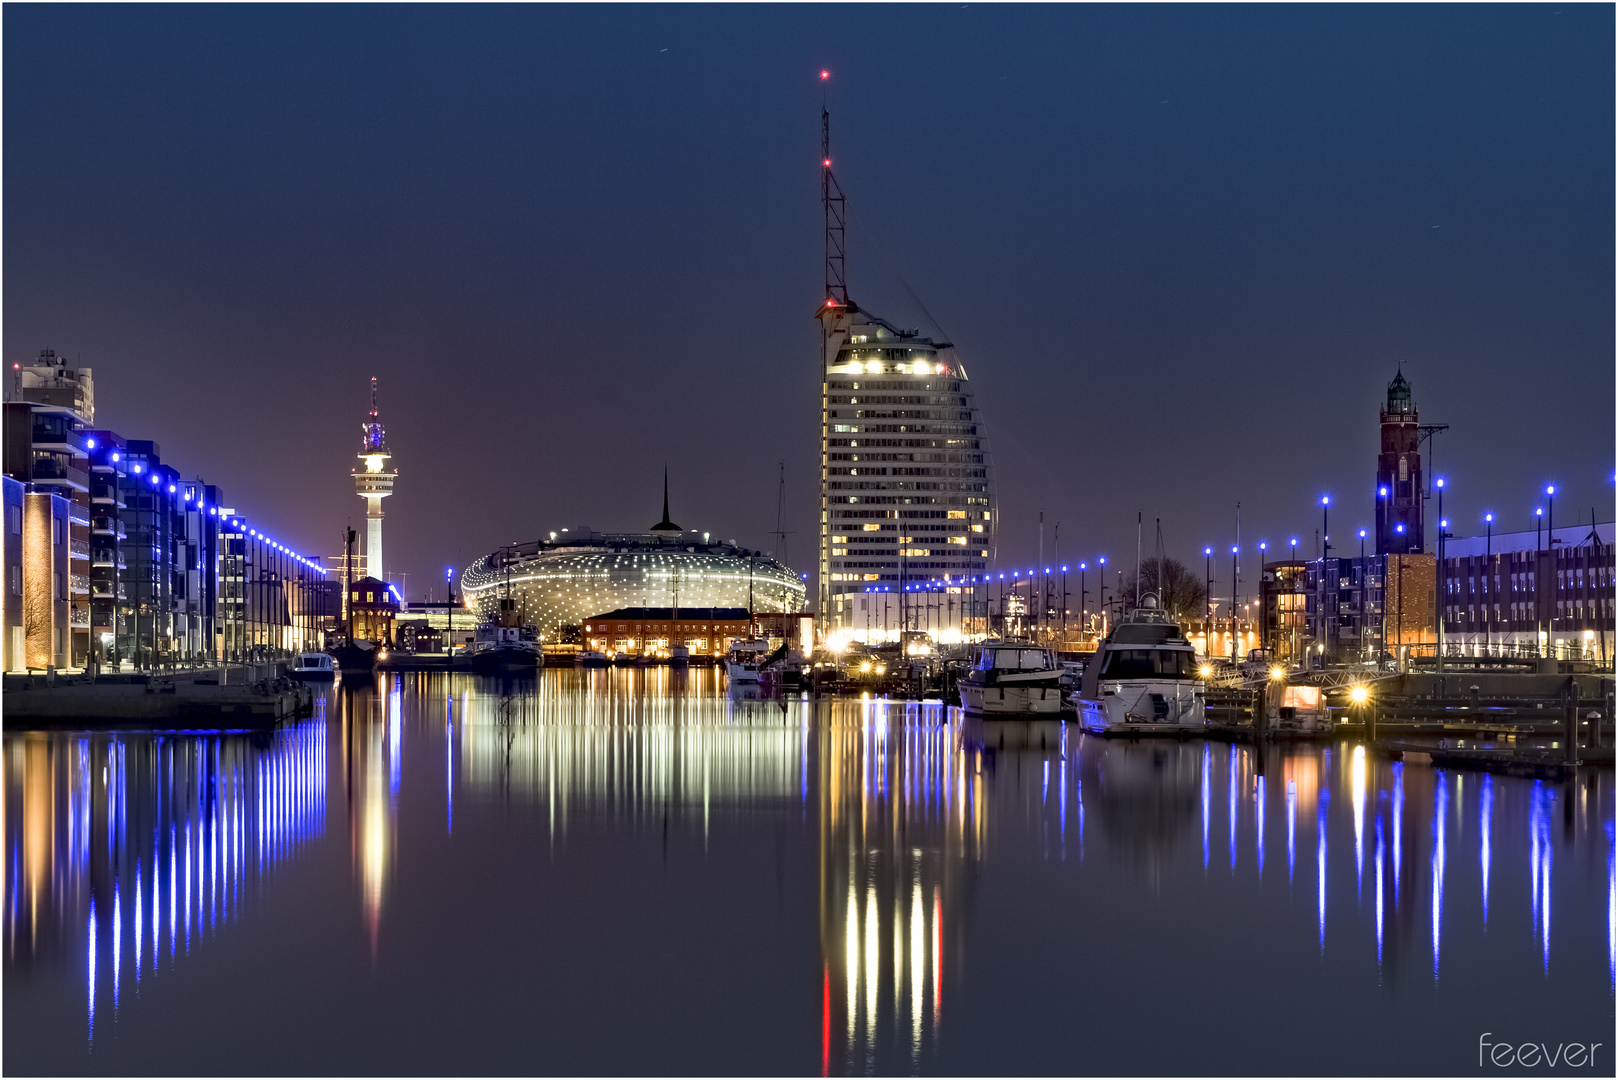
917,816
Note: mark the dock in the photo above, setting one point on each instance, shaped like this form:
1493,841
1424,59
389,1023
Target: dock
183,701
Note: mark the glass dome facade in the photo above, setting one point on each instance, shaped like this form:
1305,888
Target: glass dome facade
561,583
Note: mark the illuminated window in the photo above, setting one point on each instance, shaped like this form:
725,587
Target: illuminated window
873,527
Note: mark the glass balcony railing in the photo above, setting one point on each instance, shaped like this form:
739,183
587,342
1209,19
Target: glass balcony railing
50,468
79,548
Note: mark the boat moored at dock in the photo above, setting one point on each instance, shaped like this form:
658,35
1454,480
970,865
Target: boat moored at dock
1012,678
1143,680
313,667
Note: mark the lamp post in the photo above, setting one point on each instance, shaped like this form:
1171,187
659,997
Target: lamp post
1550,549
1539,518
1103,573
1084,620
1063,631
1444,596
1264,638
1364,617
1488,583
1399,628
1327,586
1207,597
1234,548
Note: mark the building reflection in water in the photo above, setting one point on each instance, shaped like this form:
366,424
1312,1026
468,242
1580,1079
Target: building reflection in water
126,852
145,844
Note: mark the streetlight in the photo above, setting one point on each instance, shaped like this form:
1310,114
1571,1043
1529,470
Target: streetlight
1443,597
1325,531
1102,561
1488,582
1083,611
1234,548
1207,622
1364,617
1550,549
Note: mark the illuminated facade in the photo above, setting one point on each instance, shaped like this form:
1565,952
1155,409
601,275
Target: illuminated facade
560,582
1518,594
906,497
374,483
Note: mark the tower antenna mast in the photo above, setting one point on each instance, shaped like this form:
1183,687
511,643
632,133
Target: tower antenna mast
831,197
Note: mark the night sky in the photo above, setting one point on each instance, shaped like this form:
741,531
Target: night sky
1180,249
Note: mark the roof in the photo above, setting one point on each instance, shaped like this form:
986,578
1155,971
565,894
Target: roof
656,613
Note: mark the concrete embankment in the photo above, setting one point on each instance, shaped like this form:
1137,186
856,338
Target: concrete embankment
190,700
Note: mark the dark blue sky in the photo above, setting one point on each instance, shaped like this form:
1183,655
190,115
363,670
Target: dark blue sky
1181,249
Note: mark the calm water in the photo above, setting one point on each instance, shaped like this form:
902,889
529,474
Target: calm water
629,872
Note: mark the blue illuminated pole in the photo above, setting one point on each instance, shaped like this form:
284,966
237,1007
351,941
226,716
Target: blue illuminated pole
1488,582
1207,616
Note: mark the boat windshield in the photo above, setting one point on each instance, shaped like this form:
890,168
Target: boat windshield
1150,664
1013,660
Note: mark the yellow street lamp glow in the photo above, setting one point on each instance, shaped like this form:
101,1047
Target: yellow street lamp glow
1278,672
1359,694
865,665
1205,670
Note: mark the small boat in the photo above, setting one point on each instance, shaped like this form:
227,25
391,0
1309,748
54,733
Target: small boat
312,667
679,655
593,658
497,649
1012,678
356,658
1143,680
745,659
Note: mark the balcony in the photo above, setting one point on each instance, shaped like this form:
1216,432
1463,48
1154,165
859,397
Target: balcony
50,470
78,584
56,433
109,526
78,549
79,618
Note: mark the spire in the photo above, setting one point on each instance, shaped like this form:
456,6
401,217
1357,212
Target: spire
1399,393
666,525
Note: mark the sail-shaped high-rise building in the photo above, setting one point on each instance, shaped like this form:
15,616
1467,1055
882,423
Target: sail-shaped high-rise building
907,507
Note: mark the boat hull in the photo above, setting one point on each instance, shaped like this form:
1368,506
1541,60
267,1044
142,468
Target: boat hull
1010,700
313,674
355,660
1145,709
499,660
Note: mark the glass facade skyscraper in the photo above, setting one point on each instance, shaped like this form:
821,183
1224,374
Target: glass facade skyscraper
907,507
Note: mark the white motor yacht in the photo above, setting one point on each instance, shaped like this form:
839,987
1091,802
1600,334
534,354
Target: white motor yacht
312,667
1143,680
745,659
1012,678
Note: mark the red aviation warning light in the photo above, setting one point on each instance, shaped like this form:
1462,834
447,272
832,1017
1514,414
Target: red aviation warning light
825,163
824,75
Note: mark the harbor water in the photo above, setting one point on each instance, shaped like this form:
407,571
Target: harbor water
634,872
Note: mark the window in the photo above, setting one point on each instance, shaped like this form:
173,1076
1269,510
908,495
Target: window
14,519
16,581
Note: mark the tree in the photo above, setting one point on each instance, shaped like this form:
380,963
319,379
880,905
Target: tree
1180,591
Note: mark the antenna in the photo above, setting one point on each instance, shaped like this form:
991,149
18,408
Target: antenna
831,196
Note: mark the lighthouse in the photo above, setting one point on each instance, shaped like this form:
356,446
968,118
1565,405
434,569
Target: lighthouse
373,482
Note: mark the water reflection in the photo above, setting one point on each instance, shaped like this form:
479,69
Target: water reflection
179,822
927,841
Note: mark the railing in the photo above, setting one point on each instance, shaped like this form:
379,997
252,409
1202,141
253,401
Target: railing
51,469
81,548
79,618
78,583
57,435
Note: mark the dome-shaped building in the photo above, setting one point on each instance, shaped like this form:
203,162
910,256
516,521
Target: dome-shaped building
562,580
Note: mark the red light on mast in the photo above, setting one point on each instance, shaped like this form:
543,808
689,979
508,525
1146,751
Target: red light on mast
826,162
825,75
